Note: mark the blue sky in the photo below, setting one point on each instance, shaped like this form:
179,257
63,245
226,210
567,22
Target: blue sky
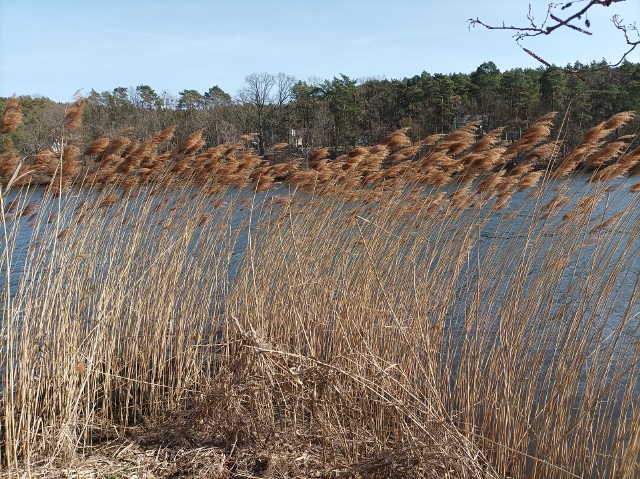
56,47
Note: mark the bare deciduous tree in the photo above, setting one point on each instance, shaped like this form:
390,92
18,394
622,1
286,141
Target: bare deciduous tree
268,95
257,93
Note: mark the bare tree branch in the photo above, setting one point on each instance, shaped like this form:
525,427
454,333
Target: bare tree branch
628,30
553,22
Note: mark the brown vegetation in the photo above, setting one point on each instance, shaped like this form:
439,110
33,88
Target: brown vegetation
393,312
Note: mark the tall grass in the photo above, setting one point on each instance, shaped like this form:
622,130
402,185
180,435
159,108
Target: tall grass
455,307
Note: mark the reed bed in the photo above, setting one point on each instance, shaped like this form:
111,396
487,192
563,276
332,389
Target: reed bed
454,307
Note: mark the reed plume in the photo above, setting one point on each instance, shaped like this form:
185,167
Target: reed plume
632,158
397,139
45,163
192,143
607,153
488,141
458,140
535,134
70,165
590,143
164,135
12,116
73,116
618,121
318,155
97,146
113,148
132,149
9,161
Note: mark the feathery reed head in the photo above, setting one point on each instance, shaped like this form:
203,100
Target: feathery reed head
319,155
97,146
9,161
618,120
12,116
73,116
164,135
397,138
192,143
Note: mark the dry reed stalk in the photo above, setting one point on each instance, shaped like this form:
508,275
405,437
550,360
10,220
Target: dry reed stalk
12,116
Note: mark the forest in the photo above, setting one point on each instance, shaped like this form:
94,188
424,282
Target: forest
285,118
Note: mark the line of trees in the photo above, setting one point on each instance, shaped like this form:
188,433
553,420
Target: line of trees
344,112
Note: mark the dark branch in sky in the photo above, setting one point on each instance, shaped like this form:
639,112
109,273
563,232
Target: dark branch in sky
553,22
